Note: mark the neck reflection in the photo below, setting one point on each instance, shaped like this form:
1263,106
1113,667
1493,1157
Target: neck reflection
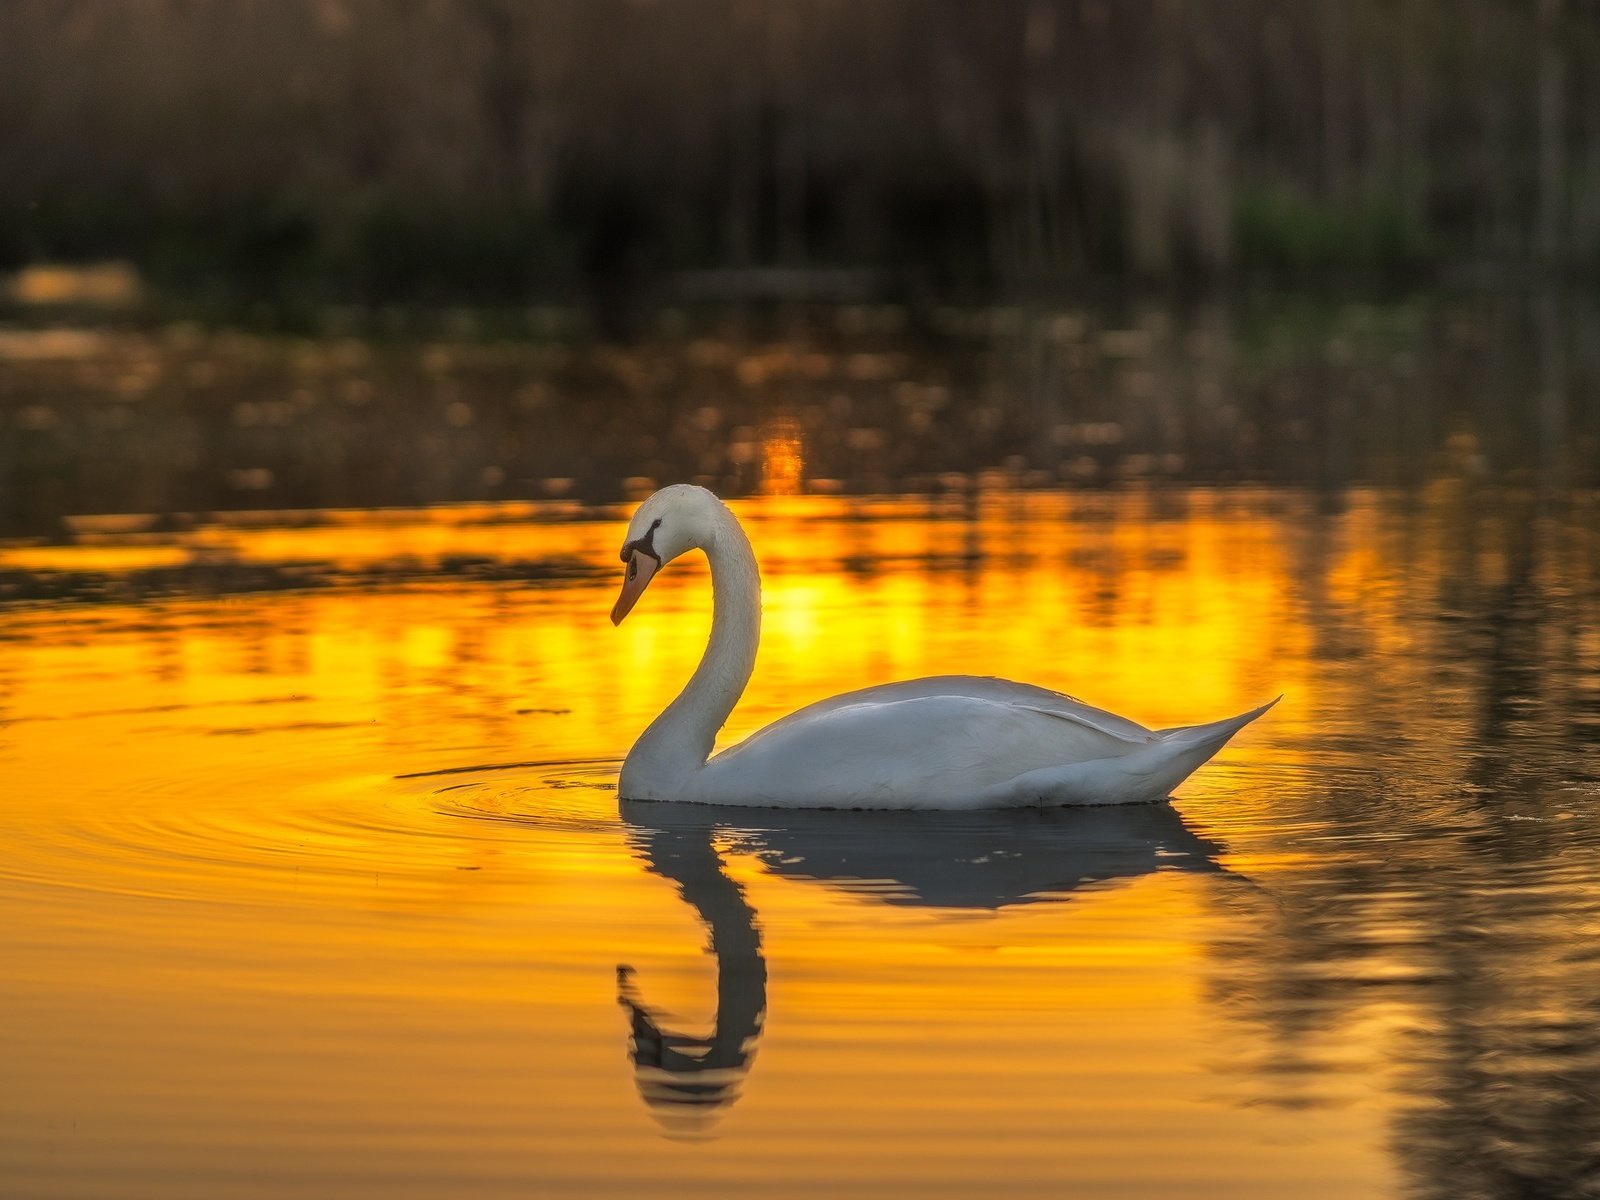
688,1080
940,860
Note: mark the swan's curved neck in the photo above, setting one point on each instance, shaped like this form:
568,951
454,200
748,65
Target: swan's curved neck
680,740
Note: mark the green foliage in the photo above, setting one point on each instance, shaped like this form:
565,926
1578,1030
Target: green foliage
1277,231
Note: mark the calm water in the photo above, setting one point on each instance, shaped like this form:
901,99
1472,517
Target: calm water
179,420
324,890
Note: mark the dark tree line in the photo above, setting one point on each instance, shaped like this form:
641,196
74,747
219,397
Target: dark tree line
392,147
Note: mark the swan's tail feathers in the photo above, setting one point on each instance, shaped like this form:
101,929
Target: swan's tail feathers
1179,753
1231,724
1145,776
1214,733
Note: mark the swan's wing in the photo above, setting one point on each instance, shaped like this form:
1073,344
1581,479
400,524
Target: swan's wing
1119,728
917,751
986,688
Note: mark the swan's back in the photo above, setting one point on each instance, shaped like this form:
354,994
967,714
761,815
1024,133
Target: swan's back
955,751
981,687
945,742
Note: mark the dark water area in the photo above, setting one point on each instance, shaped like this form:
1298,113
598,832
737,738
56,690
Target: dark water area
179,420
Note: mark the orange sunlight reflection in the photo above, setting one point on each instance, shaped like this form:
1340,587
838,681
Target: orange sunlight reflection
224,806
782,458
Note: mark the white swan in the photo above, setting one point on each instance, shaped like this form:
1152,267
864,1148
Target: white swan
946,742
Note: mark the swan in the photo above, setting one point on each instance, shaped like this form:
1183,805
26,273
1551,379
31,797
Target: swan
945,742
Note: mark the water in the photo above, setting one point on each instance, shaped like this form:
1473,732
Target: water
178,420
316,882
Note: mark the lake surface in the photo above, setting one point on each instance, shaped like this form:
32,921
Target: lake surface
397,409
316,883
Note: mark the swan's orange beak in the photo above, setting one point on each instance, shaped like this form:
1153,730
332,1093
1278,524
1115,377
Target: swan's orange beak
641,567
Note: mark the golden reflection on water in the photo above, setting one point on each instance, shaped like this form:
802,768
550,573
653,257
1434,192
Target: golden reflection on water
258,942
783,461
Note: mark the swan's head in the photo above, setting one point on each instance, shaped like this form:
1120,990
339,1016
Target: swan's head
675,519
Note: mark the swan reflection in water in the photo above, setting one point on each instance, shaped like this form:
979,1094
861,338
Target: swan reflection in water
943,860
683,1078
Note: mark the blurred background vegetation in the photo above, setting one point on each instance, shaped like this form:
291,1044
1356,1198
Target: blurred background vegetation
296,253
372,150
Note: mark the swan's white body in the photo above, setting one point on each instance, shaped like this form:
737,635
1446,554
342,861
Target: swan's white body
946,742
